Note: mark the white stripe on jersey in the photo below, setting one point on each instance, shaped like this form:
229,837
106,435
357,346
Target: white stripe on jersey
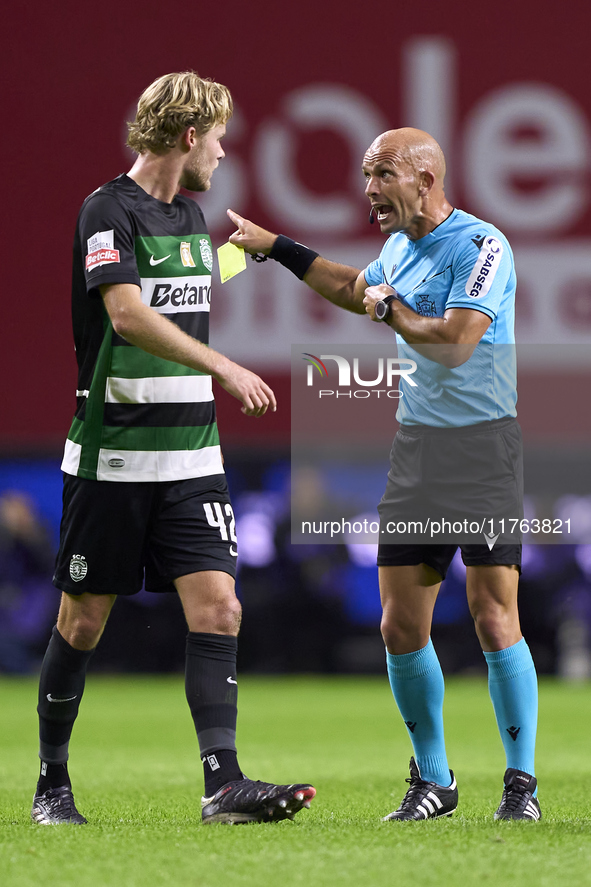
71,459
159,389
142,465
149,465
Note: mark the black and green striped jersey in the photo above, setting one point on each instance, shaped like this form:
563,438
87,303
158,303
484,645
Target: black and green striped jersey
139,417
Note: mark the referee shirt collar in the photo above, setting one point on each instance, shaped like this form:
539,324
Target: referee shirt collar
440,229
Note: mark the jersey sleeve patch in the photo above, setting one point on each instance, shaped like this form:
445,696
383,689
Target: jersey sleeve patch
483,273
100,250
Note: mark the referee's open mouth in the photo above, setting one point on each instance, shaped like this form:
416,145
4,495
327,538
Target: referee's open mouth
382,211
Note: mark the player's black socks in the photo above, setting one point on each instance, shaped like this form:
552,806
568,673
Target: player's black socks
52,776
219,767
61,686
212,693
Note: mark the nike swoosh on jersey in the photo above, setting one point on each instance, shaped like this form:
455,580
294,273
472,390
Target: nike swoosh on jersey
231,680
154,261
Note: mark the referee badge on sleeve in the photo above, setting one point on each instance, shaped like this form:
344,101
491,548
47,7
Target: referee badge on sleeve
485,268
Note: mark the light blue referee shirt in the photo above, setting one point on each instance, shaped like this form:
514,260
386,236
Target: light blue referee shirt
463,263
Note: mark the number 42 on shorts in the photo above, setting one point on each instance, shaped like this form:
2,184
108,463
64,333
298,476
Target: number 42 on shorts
223,520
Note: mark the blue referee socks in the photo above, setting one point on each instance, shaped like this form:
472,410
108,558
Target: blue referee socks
513,689
418,687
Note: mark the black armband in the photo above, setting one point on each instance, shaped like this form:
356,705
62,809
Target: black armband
296,257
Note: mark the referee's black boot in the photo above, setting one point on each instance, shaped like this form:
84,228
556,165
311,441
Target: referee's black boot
518,800
425,800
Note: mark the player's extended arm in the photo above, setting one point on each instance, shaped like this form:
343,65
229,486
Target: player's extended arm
454,336
340,284
150,331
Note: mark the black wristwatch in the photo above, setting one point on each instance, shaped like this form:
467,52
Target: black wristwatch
382,308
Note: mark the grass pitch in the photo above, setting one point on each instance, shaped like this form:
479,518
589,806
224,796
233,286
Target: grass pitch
137,778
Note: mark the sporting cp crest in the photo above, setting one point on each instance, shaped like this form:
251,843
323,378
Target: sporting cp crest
206,253
78,567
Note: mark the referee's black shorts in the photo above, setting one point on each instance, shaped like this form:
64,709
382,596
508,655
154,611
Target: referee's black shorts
450,487
114,536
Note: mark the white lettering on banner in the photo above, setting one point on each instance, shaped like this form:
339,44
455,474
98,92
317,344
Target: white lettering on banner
496,158
428,99
485,268
522,134
317,106
526,150
557,279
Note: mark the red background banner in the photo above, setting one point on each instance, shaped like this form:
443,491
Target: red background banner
504,87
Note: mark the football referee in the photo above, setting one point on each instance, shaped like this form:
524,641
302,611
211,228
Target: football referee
445,283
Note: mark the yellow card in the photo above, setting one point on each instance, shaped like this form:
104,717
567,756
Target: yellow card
231,260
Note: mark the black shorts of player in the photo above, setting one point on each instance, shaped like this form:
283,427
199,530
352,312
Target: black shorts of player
453,486
112,535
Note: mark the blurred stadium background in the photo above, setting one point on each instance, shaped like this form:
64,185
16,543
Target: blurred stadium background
504,89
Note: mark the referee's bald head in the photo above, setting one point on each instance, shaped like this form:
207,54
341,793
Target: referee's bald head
412,146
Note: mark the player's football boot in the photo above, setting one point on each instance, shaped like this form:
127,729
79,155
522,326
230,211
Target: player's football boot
244,800
425,800
518,800
55,807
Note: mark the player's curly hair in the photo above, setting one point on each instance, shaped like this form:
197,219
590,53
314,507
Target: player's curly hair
171,104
